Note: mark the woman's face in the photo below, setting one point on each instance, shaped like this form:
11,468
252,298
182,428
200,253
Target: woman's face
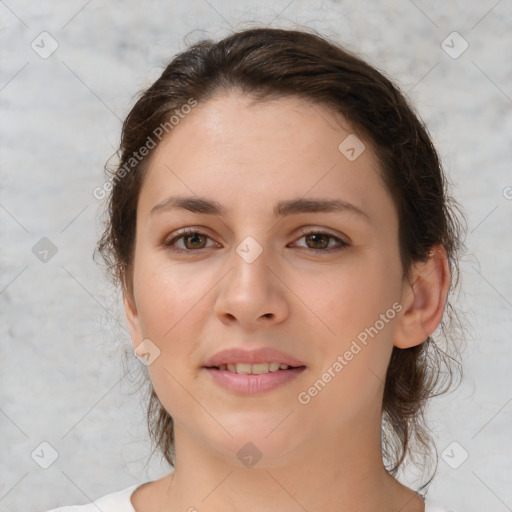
254,279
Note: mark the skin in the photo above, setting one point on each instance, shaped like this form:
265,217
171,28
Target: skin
307,303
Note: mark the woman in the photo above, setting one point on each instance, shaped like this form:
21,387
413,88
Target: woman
280,227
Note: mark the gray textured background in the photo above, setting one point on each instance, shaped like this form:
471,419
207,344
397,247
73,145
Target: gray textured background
62,331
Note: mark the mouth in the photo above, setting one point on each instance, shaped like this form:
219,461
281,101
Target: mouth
252,372
254,369
245,383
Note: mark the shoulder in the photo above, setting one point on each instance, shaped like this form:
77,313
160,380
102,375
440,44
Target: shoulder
118,501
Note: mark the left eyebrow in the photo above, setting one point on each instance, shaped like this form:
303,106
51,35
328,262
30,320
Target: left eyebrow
283,208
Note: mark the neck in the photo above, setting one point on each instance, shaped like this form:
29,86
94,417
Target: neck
339,474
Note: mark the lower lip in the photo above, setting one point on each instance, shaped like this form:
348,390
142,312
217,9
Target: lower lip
253,384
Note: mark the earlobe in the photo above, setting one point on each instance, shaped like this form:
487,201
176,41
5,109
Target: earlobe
424,299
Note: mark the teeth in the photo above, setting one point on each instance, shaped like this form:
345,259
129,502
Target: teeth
253,369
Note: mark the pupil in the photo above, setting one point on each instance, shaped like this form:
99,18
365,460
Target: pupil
194,236
314,236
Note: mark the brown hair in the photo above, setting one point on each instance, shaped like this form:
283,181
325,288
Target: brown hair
269,63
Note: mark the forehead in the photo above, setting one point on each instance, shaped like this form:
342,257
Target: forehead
256,154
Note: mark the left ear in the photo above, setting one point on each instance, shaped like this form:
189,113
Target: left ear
423,299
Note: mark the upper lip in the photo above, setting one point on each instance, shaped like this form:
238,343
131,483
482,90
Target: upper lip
261,355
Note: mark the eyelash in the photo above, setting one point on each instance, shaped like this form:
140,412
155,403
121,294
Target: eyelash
169,244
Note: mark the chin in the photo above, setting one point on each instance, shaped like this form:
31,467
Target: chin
257,444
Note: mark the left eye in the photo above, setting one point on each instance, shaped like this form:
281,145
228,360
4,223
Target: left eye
196,241
322,239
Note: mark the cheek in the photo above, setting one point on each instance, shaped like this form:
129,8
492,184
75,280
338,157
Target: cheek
171,312
174,304
168,298
354,352
355,317
346,299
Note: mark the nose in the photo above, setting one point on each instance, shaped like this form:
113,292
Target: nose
252,294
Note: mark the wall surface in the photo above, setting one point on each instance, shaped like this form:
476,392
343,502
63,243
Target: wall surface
69,73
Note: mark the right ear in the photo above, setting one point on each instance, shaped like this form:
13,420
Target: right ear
132,318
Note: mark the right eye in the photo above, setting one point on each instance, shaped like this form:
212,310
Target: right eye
191,237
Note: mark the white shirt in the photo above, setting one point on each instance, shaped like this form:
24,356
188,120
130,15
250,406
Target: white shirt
120,502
